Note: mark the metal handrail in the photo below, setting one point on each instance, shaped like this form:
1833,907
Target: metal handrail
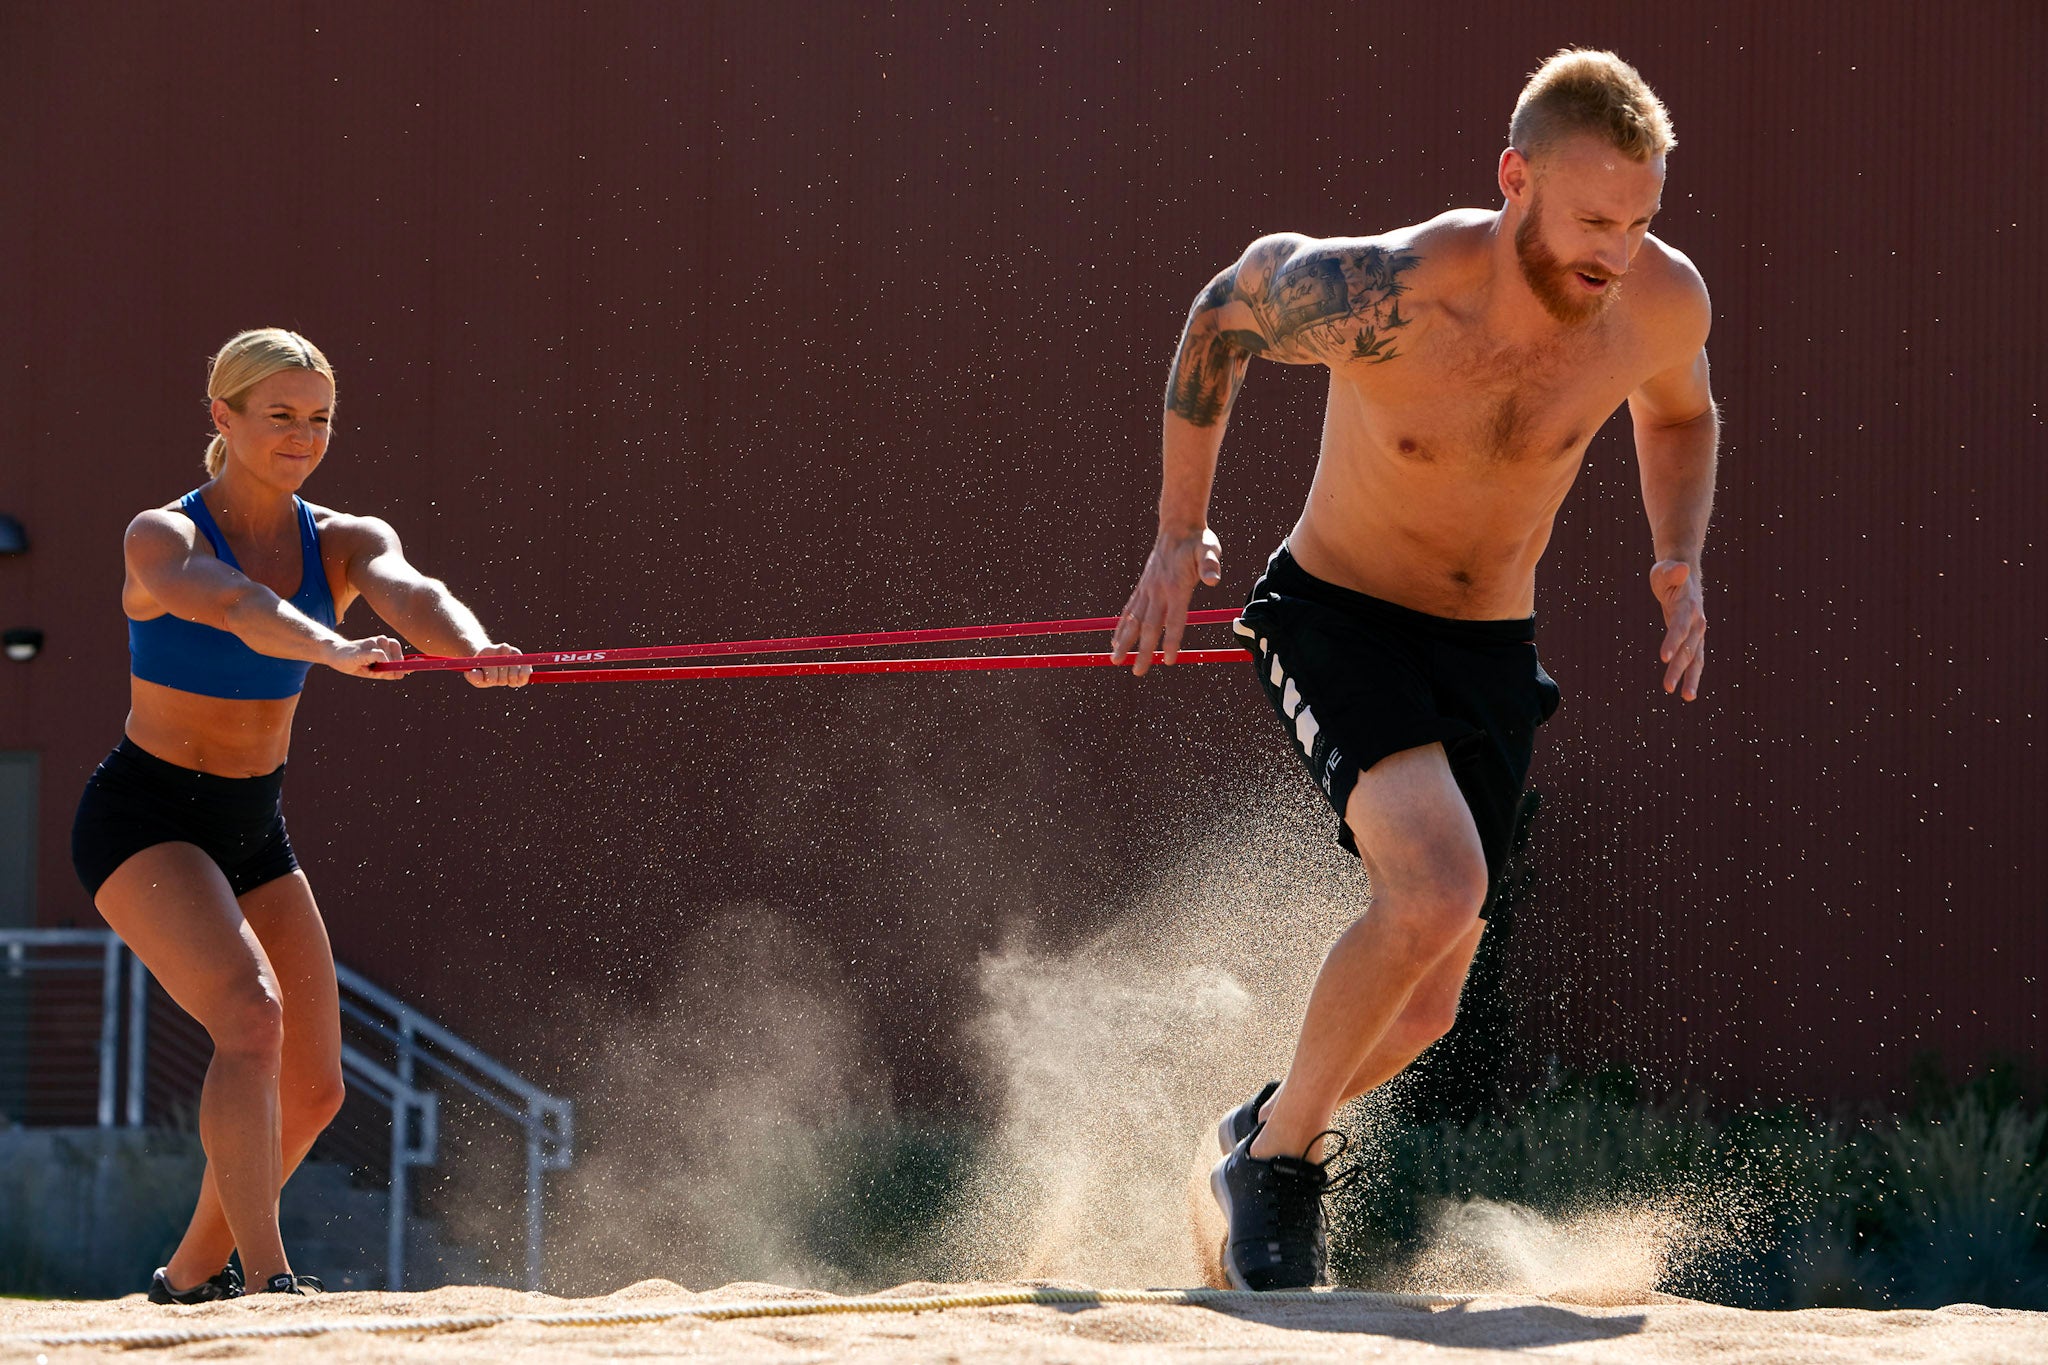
416,1040
411,1145
426,1027
17,942
419,1040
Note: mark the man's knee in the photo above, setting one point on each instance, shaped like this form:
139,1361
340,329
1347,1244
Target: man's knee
1432,908
1422,1024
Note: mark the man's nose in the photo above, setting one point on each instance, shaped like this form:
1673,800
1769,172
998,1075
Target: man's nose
1613,254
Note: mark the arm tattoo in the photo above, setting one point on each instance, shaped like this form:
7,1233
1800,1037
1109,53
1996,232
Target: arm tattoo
1337,303
1211,364
1341,302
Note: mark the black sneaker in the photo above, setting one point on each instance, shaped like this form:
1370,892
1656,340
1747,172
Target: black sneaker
1239,1123
1275,1211
226,1285
292,1284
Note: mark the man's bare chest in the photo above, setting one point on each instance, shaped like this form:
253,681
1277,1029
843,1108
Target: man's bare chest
1453,398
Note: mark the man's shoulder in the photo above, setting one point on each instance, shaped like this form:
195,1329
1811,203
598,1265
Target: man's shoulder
1667,289
1452,230
1443,251
1665,266
1449,236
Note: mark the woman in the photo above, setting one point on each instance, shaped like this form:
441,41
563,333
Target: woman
232,594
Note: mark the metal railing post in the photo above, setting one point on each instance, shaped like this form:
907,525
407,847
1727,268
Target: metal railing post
533,1196
406,1043
401,1155
138,1037
110,1025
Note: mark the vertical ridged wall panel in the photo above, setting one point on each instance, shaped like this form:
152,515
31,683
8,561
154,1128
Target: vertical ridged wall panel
660,321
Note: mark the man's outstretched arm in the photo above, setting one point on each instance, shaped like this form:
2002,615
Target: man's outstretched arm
1678,433
1288,298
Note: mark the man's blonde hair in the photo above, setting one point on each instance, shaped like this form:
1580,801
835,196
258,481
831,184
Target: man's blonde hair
1584,91
247,360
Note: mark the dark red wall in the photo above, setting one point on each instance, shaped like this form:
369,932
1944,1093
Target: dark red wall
660,321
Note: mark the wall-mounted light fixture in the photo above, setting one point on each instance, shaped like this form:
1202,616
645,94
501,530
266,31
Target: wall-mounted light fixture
13,538
22,644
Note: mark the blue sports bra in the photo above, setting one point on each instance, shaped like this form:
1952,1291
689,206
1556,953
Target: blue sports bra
173,652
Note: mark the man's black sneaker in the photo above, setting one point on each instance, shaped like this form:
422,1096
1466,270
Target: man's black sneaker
292,1284
1241,1122
226,1285
1275,1212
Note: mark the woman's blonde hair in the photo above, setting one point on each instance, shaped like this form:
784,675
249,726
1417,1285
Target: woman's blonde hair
247,360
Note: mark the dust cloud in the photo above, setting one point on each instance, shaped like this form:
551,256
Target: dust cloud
728,1101
1602,1256
1105,1068
722,1104
1115,1060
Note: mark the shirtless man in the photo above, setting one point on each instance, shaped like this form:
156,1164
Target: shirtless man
1471,359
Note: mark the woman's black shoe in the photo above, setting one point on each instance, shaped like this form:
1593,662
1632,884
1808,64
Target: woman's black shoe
226,1285
293,1284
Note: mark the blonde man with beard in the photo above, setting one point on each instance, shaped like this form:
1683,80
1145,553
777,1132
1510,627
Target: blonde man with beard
1471,358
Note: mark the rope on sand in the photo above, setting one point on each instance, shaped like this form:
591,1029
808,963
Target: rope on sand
764,1308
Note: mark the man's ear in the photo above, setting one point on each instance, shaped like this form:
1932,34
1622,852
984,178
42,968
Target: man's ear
1516,176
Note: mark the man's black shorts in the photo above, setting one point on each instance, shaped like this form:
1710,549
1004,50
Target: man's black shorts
1355,679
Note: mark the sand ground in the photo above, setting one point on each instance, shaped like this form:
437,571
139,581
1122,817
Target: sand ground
1493,1328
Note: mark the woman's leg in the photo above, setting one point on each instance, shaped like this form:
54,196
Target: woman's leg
172,906
288,925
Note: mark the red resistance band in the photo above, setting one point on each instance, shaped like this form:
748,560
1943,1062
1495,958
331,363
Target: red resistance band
556,658
815,667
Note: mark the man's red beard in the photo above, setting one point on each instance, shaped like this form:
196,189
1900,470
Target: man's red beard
1551,279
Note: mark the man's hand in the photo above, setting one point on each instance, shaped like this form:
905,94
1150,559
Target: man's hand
511,675
354,657
1157,614
1677,586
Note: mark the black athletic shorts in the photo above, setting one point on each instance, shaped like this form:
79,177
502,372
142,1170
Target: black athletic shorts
1355,679
135,800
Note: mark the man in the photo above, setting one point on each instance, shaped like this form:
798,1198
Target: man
1471,359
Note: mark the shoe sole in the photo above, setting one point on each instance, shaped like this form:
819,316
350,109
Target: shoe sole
1220,1188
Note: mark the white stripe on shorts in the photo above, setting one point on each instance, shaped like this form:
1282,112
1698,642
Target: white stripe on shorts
1306,726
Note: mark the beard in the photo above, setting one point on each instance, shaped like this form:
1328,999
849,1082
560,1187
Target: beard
1551,279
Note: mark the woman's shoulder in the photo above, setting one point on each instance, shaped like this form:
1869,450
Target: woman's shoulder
171,518
349,530
166,526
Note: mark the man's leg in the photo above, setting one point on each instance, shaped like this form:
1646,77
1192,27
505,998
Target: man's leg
1431,1010
1409,951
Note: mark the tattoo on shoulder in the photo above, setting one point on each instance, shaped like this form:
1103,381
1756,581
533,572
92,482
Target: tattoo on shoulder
1340,303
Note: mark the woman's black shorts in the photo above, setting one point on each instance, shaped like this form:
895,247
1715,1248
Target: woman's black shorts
1355,679
135,800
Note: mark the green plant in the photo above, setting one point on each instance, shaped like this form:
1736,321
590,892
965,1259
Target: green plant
1763,1208
877,1195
